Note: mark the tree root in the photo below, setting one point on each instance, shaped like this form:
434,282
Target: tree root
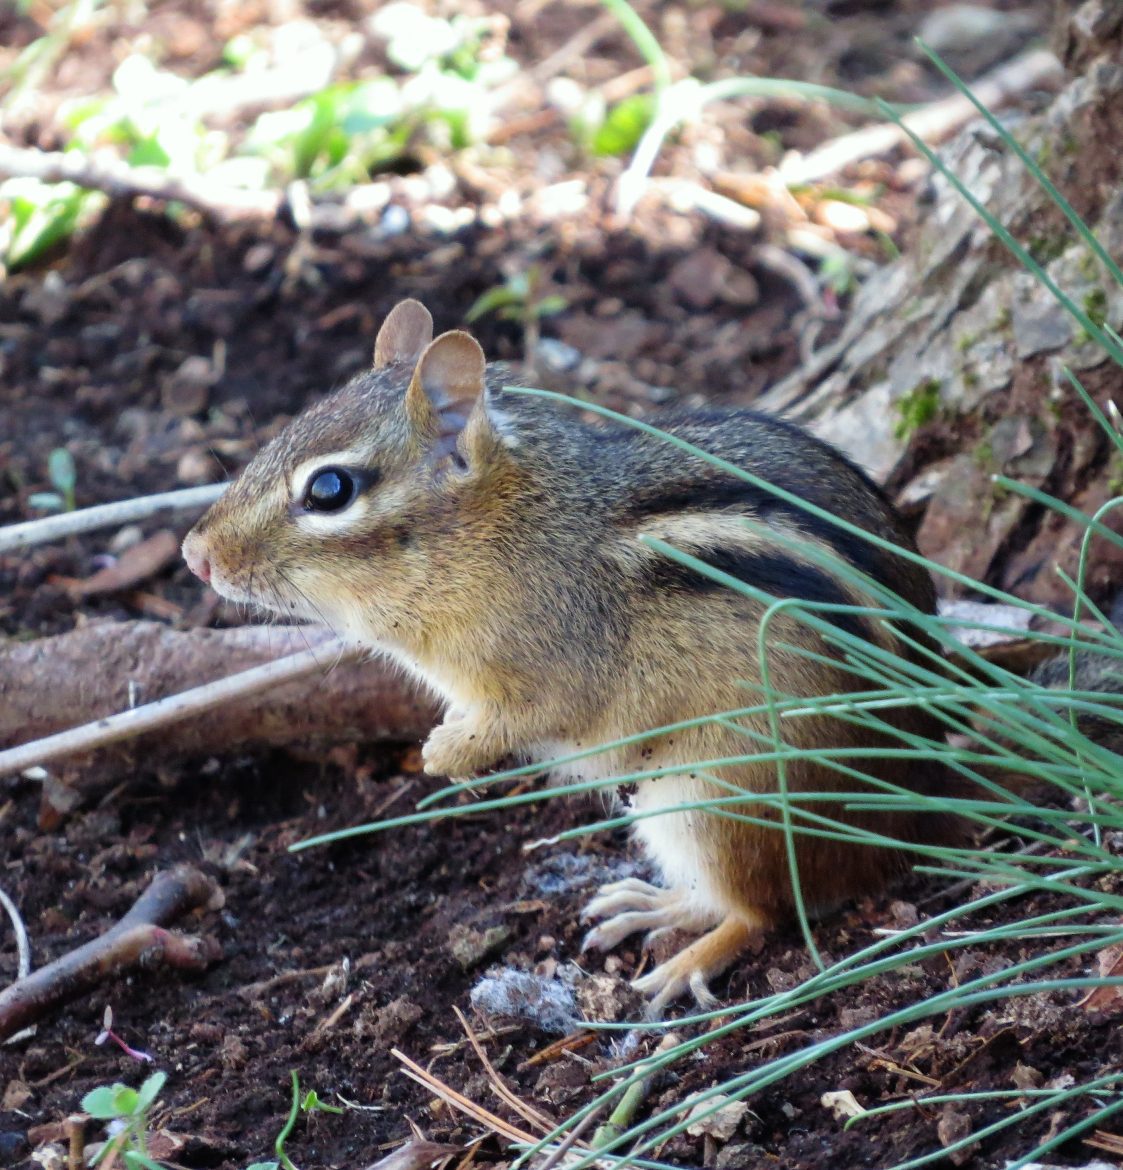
138,939
116,677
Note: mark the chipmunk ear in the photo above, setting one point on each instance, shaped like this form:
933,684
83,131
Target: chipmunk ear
447,380
407,330
447,395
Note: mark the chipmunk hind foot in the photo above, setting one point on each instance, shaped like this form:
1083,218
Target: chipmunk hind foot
633,906
695,965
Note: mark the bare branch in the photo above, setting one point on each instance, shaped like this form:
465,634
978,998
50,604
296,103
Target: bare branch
95,674
50,528
139,937
932,123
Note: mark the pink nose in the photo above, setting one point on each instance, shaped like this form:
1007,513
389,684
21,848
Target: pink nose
197,561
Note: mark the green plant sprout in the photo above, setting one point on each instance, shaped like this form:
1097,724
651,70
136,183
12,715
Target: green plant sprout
522,298
64,479
334,138
310,1103
126,1110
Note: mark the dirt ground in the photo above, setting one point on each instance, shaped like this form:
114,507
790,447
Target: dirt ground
92,353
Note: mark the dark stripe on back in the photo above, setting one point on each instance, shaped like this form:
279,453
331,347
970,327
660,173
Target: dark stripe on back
775,573
739,496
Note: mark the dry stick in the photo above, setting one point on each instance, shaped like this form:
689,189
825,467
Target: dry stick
139,937
526,1111
152,716
116,178
222,204
451,1097
50,528
933,123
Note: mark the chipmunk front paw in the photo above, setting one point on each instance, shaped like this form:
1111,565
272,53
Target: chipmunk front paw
459,747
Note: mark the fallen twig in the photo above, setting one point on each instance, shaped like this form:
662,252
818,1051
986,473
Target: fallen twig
932,123
95,674
223,204
23,951
51,528
174,709
139,938
502,1090
451,1097
105,172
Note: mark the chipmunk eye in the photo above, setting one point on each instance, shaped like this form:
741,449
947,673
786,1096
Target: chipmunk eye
330,490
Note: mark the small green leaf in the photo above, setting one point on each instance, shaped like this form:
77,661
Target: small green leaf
102,1102
549,306
148,153
264,1166
63,475
125,1100
624,125
150,1090
43,218
61,469
313,1104
495,298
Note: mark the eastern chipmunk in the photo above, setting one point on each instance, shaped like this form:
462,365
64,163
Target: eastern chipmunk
488,541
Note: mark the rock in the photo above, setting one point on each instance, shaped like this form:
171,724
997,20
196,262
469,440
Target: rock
188,389
866,431
1038,325
606,997
722,1124
556,356
470,947
706,276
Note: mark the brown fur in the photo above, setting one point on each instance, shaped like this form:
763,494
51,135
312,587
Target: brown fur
498,556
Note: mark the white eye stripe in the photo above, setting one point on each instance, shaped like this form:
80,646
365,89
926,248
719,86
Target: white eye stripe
342,521
304,472
365,513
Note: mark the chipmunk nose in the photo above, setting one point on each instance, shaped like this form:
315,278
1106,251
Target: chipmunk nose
197,561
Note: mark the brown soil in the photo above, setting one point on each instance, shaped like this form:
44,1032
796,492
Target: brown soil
88,349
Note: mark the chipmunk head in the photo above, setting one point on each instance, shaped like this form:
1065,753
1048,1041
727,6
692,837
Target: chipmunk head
360,504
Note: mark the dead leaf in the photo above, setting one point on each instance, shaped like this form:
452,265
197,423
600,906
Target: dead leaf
417,1155
16,1095
1026,1076
133,566
1106,999
953,1127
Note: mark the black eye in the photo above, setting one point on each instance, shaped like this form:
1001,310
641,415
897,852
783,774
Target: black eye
330,490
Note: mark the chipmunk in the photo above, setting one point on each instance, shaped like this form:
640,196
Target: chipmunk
492,543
